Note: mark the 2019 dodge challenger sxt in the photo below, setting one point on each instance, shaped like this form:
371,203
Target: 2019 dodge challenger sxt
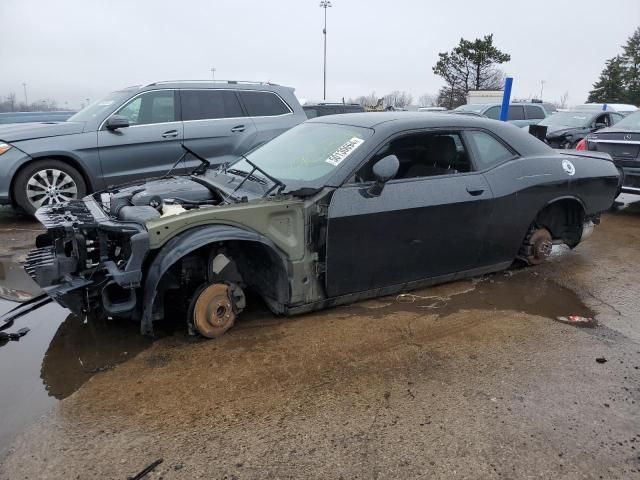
337,209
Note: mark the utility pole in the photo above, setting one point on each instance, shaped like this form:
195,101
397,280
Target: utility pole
542,82
325,4
213,73
26,102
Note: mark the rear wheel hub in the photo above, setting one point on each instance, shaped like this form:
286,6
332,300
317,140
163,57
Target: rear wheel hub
541,244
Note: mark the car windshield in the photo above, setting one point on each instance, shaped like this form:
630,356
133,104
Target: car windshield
630,122
471,108
97,108
307,152
567,119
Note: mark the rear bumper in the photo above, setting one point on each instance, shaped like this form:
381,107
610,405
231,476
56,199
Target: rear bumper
631,177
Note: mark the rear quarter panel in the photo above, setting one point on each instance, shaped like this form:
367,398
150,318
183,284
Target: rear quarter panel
523,187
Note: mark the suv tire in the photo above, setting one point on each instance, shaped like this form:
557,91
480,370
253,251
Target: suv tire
47,182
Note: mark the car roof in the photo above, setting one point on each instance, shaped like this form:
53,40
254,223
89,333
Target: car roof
207,84
404,119
391,122
331,104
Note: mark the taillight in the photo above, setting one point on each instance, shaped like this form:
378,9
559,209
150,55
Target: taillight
582,144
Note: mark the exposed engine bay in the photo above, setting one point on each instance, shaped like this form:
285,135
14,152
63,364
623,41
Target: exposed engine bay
92,257
159,198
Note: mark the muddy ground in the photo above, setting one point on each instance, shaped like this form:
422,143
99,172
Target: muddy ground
474,379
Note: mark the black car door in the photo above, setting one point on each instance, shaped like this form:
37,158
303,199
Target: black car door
429,221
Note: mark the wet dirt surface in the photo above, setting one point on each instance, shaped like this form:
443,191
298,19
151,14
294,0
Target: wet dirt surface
473,379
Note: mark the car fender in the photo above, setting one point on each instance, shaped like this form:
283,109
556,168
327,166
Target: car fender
567,197
79,150
185,243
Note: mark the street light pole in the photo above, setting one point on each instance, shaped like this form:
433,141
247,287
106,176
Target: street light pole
325,4
542,82
26,102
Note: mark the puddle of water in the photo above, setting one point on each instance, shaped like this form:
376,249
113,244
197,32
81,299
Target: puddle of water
15,284
23,396
520,290
61,352
55,358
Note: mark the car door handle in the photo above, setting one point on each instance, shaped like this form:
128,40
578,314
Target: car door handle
170,134
238,128
475,190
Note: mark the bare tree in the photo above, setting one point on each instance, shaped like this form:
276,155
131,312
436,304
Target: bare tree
365,100
427,100
398,99
11,99
564,100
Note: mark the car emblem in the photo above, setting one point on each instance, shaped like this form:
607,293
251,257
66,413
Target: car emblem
568,167
627,136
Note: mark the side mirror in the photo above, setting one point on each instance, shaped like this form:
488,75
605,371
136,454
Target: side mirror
598,126
117,121
383,170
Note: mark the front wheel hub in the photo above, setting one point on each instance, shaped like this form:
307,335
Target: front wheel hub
214,311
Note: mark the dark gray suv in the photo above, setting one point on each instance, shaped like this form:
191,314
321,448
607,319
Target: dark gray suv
138,133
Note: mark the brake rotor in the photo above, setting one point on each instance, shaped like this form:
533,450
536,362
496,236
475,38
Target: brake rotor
213,311
541,244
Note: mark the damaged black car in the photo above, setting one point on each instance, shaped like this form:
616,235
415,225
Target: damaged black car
337,209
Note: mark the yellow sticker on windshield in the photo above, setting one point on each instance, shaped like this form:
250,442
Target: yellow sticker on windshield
343,151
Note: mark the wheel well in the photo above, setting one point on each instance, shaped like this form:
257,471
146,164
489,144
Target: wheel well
564,219
61,158
252,265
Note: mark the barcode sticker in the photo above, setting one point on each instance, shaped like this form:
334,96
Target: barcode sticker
344,151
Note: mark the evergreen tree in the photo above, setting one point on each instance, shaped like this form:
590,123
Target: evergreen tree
470,65
631,59
610,86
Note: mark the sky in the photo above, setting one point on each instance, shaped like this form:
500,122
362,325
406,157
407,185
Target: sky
73,50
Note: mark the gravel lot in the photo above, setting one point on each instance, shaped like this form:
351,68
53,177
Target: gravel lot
474,379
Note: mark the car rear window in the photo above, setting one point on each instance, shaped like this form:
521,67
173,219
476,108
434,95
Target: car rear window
210,104
534,112
489,151
516,112
263,104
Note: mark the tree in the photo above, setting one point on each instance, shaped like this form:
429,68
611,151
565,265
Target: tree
631,62
427,100
484,56
11,99
365,100
564,100
398,99
610,86
471,64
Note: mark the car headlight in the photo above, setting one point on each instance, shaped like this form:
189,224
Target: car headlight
4,147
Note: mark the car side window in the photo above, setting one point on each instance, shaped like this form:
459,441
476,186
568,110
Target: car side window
209,104
604,118
493,113
263,104
150,107
489,150
516,112
534,112
615,118
425,154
